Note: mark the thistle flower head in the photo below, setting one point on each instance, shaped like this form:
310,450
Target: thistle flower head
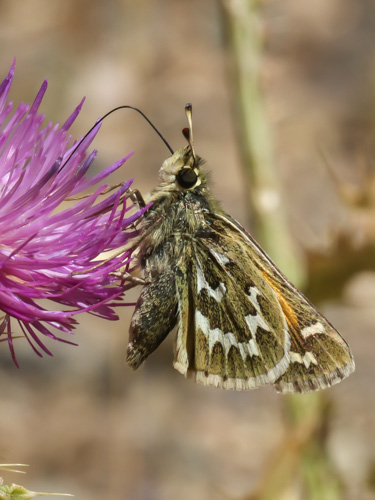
48,251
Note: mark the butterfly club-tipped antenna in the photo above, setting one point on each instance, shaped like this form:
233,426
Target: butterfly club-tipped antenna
104,117
188,131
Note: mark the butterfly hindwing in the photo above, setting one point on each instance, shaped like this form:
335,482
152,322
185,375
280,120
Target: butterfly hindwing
232,332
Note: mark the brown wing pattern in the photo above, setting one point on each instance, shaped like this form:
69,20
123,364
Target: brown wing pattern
319,356
232,332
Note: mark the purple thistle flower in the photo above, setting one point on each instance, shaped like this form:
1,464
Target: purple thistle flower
52,253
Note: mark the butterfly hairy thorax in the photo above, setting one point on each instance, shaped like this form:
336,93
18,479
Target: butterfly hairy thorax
240,323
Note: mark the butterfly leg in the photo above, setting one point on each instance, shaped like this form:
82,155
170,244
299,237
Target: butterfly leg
154,317
137,198
129,278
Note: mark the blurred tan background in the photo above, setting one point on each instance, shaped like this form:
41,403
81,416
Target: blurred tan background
86,423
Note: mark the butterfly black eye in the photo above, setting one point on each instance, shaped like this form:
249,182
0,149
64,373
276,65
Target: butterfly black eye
187,178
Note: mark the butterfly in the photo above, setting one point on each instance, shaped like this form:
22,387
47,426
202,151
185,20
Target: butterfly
240,323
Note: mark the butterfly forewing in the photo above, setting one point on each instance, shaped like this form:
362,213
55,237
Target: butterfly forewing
319,356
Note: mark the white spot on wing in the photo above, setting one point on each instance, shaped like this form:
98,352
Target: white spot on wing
313,329
221,258
253,296
254,321
214,335
217,294
253,348
307,359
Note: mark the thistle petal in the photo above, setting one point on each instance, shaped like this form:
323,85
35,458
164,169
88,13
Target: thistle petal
48,251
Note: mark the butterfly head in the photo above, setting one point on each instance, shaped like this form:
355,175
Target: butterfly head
182,172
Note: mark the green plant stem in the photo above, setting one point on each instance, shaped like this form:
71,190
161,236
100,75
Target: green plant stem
302,463
269,218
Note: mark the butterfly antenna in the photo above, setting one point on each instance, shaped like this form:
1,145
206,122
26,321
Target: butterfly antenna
104,117
188,132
